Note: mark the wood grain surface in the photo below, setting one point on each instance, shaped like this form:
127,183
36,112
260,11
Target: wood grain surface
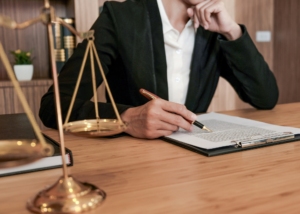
86,14
152,176
258,15
33,92
287,49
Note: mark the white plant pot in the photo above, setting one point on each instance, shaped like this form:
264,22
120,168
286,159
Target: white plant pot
23,72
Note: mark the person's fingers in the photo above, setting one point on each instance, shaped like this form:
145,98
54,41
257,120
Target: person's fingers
159,133
176,120
178,109
196,21
216,7
152,121
205,12
193,16
190,13
197,11
165,133
160,124
167,127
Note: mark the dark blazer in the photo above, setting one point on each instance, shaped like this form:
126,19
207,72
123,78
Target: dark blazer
130,44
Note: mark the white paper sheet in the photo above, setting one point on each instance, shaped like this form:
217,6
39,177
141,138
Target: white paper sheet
227,129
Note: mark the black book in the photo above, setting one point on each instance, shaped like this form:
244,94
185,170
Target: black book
58,36
69,38
17,126
59,50
64,42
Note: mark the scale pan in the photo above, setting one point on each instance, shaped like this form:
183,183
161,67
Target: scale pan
95,128
19,152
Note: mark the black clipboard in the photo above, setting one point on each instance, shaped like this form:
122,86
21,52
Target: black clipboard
228,149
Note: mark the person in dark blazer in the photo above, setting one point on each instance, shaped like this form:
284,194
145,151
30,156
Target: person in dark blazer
176,49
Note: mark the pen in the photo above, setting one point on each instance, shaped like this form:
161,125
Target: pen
151,96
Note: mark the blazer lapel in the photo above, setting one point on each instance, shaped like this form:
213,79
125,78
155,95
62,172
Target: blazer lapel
160,63
200,68
138,51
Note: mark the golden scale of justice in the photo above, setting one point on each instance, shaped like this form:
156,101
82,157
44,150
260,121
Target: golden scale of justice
67,195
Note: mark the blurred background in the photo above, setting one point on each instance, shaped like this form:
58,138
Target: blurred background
274,26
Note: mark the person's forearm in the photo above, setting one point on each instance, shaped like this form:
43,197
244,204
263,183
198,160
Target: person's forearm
248,72
234,33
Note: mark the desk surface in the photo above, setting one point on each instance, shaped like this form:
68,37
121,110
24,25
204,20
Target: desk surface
152,176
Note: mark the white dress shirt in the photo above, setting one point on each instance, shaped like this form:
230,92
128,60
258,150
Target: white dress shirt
179,50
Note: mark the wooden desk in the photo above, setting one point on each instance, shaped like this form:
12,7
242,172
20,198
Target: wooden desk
152,176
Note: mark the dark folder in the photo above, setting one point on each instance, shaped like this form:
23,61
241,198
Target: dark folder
17,126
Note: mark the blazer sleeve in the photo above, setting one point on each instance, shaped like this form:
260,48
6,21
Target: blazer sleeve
246,70
106,45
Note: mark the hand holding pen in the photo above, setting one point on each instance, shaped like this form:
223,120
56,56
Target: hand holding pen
152,96
157,118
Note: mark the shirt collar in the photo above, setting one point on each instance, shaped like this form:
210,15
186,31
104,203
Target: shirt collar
189,23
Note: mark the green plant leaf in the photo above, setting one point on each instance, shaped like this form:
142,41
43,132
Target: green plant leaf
22,58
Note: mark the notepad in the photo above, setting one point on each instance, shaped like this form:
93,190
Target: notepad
230,131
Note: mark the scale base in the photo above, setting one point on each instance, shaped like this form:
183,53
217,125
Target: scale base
67,196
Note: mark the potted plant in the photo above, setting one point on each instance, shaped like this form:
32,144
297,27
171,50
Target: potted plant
23,65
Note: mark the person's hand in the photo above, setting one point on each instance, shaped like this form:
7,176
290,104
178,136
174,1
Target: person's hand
213,16
157,118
